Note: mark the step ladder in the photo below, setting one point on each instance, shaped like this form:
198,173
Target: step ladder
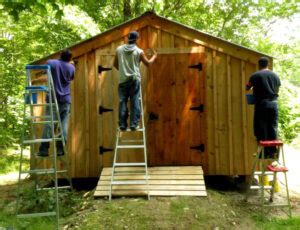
137,169
264,163
44,170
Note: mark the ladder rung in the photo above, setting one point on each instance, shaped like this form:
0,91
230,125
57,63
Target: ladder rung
52,188
44,122
36,214
130,146
129,182
260,187
40,140
36,88
266,173
42,117
129,130
130,164
129,141
38,67
43,171
42,104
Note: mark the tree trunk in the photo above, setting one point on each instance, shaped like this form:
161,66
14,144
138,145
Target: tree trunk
127,10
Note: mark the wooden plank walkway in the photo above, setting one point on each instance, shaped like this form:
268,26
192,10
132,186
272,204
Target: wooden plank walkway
163,181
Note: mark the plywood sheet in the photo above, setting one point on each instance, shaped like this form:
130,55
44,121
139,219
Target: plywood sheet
163,181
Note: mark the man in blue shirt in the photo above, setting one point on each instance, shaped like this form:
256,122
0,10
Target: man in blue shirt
62,74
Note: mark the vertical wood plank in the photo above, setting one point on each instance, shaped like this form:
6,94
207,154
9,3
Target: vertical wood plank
215,103
229,103
99,99
79,121
87,117
237,116
94,157
222,104
250,143
210,107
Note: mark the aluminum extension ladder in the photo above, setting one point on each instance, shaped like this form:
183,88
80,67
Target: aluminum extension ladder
139,169
266,169
44,174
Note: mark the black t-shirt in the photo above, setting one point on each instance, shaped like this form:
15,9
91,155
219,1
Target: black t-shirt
265,85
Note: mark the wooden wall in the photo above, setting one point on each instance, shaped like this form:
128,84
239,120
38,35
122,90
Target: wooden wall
227,130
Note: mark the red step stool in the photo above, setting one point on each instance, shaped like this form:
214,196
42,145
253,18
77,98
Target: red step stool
268,169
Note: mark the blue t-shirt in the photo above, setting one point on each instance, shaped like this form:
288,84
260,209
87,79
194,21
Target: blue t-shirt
62,75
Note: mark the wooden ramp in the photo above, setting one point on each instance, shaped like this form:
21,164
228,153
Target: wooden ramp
163,181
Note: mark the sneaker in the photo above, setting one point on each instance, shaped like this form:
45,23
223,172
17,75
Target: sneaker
60,152
123,128
42,154
134,128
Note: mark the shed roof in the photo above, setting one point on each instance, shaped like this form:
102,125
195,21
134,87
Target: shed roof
139,22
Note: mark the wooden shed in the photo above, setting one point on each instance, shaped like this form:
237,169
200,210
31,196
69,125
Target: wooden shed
194,100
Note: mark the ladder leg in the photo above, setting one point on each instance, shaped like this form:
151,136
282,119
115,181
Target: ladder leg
114,163
286,183
273,186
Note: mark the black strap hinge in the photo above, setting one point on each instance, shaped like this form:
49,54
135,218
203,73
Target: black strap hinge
200,147
103,110
199,108
102,150
197,66
101,69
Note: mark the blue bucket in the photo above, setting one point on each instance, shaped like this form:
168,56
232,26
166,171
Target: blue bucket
250,99
28,99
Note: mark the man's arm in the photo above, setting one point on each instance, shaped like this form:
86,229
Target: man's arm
147,61
116,62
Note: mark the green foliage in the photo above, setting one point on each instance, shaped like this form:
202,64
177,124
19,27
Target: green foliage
289,112
34,36
34,29
10,161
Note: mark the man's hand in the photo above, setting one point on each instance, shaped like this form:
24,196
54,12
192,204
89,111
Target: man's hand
147,61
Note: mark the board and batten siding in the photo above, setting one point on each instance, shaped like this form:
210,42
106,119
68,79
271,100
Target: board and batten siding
231,143
225,127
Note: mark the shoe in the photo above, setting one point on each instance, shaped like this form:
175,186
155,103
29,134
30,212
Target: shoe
134,128
42,154
60,152
123,128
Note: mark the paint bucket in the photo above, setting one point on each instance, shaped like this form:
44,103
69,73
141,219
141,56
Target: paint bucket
250,99
276,186
29,97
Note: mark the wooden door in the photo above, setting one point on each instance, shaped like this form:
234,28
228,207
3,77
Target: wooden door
175,126
107,106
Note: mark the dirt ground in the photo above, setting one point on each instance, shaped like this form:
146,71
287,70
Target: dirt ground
223,208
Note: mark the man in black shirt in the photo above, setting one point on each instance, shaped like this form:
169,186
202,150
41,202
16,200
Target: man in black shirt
265,85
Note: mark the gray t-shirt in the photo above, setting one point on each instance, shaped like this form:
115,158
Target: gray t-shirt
129,62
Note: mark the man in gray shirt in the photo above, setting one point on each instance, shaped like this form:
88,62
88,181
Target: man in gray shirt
127,61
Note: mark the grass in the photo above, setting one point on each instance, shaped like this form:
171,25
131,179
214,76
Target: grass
10,161
279,223
79,210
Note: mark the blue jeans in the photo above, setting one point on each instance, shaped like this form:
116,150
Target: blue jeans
130,89
64,113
